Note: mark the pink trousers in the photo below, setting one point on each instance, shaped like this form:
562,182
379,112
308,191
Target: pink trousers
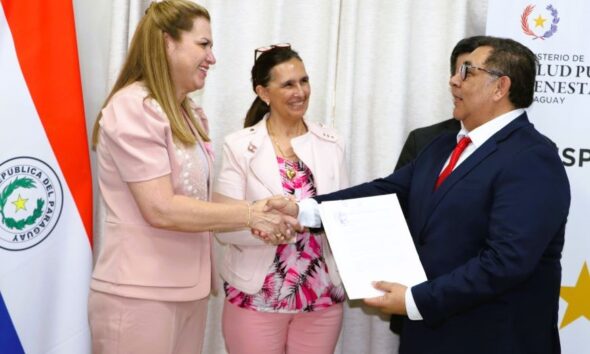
121,325
253,332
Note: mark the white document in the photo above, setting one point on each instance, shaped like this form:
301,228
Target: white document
370,241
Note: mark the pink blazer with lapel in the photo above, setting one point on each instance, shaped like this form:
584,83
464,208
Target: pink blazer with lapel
136,259
249,171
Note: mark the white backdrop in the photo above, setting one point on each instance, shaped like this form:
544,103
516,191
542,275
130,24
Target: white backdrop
378,69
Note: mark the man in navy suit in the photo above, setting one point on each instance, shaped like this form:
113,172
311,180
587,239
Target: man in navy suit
490,235
420,137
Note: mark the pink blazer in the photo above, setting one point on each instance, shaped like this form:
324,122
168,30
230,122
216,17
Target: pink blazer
249,171
136,259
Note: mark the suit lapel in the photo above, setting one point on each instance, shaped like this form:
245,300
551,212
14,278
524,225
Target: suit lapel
263,163
439,158
431,162
307,151
483,152
461,171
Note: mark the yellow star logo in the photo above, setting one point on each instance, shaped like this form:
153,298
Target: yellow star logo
577,297
540,21
20,203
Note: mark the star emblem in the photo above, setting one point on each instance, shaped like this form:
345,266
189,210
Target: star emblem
20,203
540,21
577,298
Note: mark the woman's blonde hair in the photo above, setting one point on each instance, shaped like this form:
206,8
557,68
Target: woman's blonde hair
146,61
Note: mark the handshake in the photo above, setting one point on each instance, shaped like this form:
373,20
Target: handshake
274,220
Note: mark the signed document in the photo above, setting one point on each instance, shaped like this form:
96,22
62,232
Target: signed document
370,241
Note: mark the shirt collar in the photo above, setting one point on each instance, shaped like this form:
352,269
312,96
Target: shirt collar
485,131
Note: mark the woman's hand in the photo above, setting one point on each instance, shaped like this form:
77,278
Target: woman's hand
272,225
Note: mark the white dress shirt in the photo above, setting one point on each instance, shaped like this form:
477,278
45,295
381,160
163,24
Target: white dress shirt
309,214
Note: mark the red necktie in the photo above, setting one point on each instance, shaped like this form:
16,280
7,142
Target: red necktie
459,148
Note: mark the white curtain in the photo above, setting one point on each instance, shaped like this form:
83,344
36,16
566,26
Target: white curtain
378,69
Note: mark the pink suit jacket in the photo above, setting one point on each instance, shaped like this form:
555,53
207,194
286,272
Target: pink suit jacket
249,171
137,260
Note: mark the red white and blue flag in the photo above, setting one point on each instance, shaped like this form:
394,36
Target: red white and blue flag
45,182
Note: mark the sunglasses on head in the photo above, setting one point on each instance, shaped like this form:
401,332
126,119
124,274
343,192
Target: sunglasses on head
261,50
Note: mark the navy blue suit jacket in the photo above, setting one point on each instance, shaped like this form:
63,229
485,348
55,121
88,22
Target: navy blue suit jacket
490,240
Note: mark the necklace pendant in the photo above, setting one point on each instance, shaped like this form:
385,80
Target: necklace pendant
290,173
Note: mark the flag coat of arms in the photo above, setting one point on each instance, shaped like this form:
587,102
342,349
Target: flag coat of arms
45,182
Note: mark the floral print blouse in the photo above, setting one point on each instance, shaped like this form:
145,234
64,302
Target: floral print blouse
298,279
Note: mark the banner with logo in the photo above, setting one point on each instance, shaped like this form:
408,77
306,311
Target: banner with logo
45,182
557,31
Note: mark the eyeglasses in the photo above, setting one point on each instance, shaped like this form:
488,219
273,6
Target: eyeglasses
261,50
465,69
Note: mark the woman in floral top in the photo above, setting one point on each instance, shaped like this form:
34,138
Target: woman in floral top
286,297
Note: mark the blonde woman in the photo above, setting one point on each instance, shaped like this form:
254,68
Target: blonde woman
152,276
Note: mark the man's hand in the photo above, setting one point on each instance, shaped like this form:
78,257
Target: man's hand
393,301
